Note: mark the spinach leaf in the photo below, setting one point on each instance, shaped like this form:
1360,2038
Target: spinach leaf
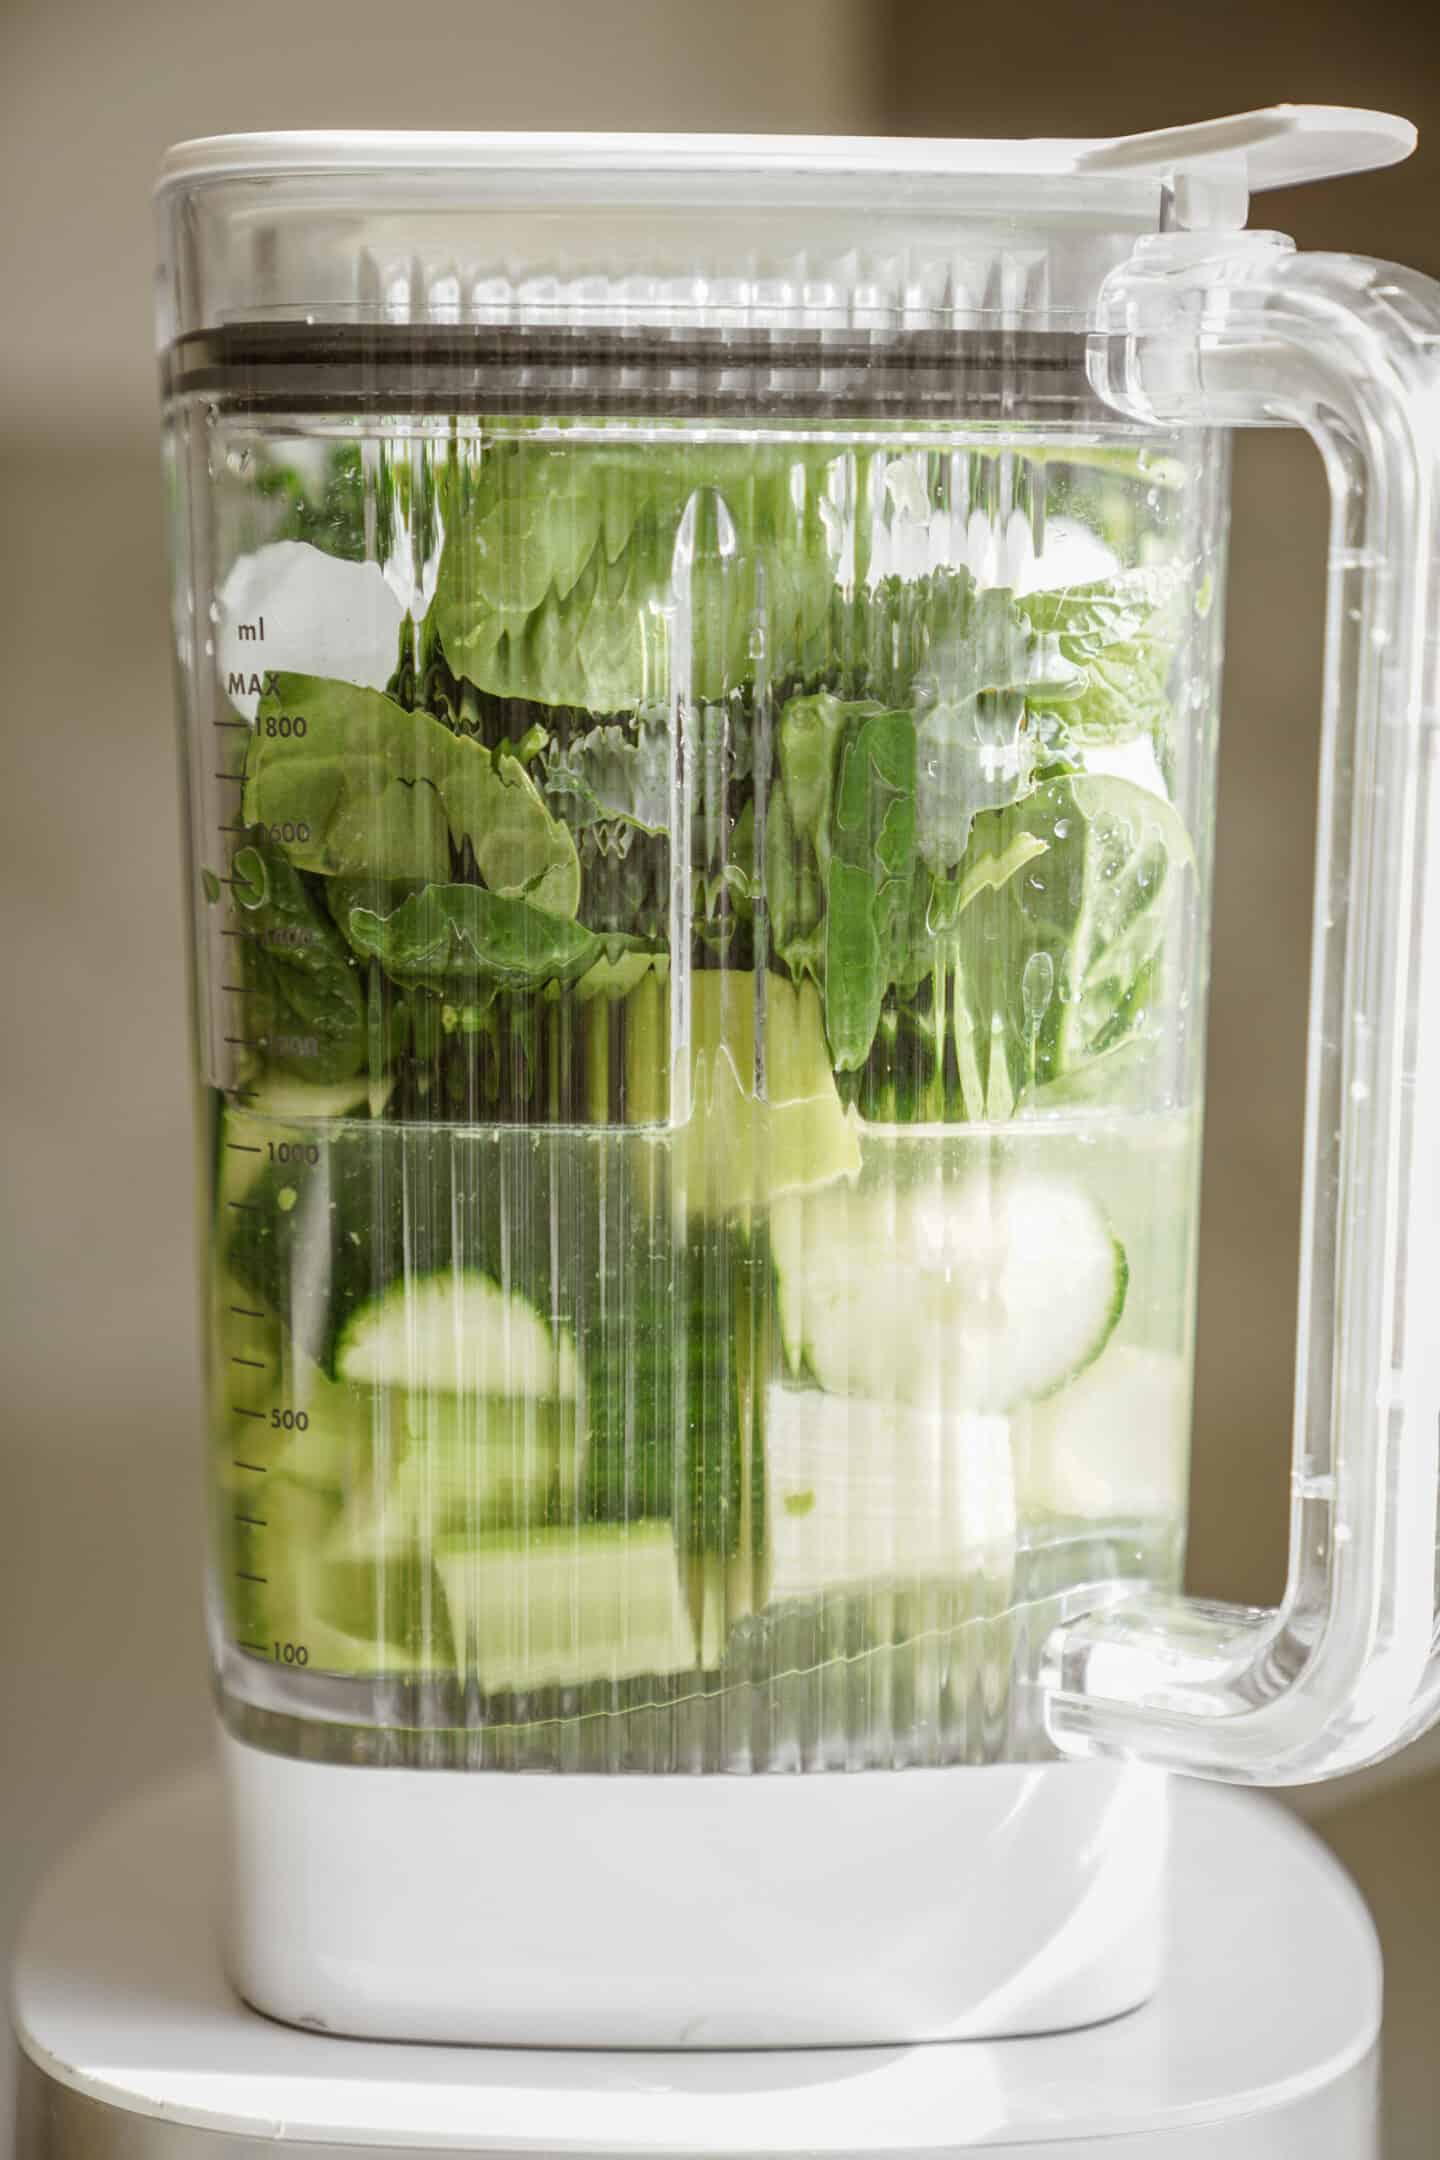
612,772
870,888
461,937
1118,640
1056,966
328,511
300,979
368,789
811,732
571,567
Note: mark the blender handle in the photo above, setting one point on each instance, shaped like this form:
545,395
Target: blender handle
1240,330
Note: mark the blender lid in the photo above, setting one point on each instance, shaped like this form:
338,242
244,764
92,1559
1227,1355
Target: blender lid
1276,146
789,236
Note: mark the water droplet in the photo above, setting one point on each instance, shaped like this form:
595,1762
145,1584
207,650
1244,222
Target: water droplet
237,460
1037,987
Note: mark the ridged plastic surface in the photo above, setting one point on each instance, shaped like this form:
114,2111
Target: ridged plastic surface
699,935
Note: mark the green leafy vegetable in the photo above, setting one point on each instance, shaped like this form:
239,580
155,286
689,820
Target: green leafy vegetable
612,772
1055,967
368,789
1118,642
462,934
871,879
302,984
329,511
570,567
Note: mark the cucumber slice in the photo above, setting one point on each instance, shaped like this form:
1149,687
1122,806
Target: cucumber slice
374,1249
456,1333
973,1293
562,1607
1113,1445
861,1494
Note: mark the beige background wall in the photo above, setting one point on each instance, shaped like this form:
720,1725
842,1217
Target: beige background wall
102,1679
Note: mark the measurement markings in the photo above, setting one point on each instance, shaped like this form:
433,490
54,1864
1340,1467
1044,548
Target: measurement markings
242,1147
259,1414
235,989
232,723
256,1522
237,777
261,1469
247,1312
256,1364
245,1576
262,1647
248,1042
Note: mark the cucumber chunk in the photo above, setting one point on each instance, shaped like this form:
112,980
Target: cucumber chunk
286,1101
1113,1445
862,1494
359,1613
1003,1286
559,1608
456,1333
739,1148
464,1466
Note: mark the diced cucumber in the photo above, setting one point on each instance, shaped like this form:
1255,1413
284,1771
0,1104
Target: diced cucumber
559,1608
1113,1445
973,1293
359,1613
737,1149
456,1333
465,1466
358,1585
332,1449
270,1530
864,1494
285,1100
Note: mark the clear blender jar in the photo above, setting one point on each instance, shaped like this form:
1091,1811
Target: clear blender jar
699,664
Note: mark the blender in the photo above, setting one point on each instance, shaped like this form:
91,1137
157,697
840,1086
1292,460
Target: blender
699,666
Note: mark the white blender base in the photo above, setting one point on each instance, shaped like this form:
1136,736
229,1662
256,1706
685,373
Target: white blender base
1257,2045
693,1912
